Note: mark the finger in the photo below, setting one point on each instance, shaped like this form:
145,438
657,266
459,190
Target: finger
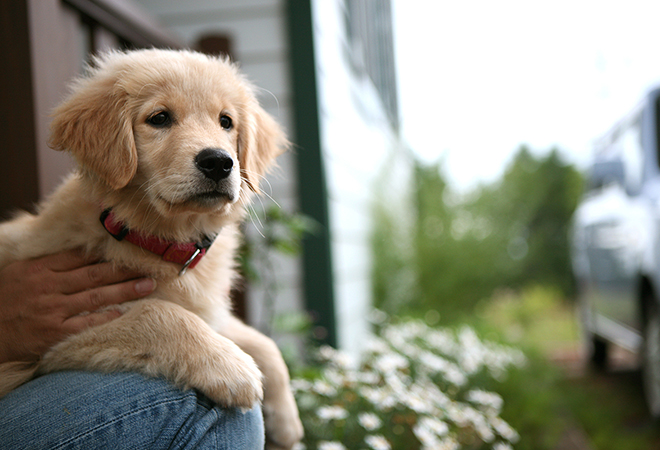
94,299
77,324
65,261
94,276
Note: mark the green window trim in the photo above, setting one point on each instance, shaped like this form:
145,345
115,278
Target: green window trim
313,195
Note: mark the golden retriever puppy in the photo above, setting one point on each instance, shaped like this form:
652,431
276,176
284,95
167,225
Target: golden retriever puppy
170,146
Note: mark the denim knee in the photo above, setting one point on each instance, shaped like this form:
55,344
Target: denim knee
84,410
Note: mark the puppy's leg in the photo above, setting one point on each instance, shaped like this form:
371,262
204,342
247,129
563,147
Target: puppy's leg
283,426
12,234
13,374
159,338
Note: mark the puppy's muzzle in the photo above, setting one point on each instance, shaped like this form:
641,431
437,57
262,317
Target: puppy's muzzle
215,164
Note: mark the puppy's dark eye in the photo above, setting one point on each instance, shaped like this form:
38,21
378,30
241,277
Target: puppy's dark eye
160,120
226,122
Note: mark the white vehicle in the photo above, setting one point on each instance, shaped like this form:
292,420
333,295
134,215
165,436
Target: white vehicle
616,244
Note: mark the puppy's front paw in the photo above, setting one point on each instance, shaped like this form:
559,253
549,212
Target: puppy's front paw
282,420
230,378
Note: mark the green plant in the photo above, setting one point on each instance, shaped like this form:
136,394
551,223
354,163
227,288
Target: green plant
279,232
416,387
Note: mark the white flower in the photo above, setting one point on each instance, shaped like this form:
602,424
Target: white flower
378,442
336,357
480,424
323,388
433,361
442,341
484,430
415,402
390,362
438,364
488,399
378,316
329,354
368,377
334,375
447,444
381,398
300,385
298,446
502,446
434,425
425,436
332,413
333,445
344,360
432,394
369,421
377,345
504,429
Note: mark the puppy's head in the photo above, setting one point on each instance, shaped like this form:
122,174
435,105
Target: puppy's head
177,129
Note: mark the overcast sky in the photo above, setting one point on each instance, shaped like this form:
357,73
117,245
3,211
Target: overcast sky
479,78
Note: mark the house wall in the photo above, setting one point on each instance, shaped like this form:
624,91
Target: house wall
356,140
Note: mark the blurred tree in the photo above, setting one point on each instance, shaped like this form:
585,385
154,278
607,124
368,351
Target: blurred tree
530,211
432,249
449,265
511,233
394,282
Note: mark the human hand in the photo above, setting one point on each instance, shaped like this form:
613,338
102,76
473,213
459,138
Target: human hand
41,300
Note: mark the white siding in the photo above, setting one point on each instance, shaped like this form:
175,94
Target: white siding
355,139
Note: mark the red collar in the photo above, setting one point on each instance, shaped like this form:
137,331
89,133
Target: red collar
187,254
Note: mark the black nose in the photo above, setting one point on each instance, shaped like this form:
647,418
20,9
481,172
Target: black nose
214,164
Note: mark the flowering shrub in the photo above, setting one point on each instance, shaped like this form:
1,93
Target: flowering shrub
414,388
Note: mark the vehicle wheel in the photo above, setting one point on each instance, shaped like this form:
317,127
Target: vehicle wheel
597,348
651,358
599,351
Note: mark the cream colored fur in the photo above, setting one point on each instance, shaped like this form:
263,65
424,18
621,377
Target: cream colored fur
184,331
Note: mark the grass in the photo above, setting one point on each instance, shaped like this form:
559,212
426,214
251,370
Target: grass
611,410
557,394
537,319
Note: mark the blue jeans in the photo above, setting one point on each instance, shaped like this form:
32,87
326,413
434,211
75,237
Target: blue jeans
85,410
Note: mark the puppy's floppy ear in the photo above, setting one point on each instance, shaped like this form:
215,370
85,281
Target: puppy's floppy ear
94,124
260,140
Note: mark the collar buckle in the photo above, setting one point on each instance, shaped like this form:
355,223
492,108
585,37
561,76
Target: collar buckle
116,230
190,260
